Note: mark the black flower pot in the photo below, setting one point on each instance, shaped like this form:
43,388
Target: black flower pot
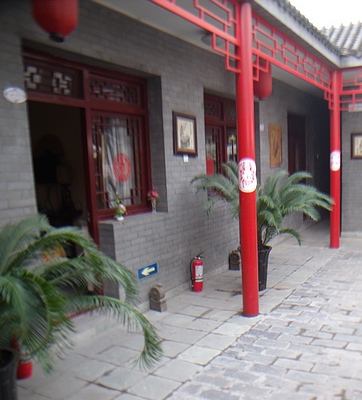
263,257
8,367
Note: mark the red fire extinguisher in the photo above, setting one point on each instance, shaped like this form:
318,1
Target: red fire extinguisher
197,273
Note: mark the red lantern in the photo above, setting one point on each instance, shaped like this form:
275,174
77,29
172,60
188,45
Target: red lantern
57,17
263,87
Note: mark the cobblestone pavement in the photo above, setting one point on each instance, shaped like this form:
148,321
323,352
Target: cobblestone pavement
305,344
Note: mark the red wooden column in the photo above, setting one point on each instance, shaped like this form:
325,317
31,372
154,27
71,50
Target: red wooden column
335,162
247,169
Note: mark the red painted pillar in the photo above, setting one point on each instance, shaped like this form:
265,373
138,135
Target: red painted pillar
247,170
335,162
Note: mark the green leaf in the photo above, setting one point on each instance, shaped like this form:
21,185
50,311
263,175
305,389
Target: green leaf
34,309
280,196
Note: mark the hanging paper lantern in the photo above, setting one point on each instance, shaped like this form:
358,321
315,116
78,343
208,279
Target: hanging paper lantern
57,17
263,87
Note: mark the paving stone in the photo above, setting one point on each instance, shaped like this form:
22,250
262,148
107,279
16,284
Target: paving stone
330,343
186,391
173,349
215,394
154,388
178,370
305,344
231,329
294,364
126,396
91,370
63,387
93,392
198,355
203,324
117,355
216,342
120,378
26,395
219,315
181,335
195,311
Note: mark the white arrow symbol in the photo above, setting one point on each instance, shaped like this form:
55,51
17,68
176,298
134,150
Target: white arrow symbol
147,271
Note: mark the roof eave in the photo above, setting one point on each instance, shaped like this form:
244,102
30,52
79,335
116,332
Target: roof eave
291,22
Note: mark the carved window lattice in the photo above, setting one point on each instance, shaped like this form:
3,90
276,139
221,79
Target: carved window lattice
117,91
51,79
213,109
230,112
220,132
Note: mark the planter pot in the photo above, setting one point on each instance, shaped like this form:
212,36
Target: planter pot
263,257
8,367
24,370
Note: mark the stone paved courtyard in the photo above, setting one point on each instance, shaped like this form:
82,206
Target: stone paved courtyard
305,344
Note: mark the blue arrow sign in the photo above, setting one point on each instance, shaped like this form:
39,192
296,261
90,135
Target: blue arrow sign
148,271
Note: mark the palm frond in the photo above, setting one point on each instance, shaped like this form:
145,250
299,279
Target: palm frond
15,237
220,188
33,306
281,195
128,316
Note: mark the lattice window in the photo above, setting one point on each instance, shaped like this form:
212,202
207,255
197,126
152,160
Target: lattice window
230,112
117,91
220,132
213,136
116,134
116,152
52,79
213,109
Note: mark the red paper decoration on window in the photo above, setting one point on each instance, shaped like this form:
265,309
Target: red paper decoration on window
122,167
57,17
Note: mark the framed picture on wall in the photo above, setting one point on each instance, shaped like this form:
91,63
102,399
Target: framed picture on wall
356,145
184,134
275,145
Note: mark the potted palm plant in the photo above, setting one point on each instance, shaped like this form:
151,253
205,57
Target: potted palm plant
280,196
35,310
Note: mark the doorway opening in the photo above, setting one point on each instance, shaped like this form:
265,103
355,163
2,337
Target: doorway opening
296,143
57,151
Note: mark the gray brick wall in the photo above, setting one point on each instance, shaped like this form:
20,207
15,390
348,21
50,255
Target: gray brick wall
17,196
351,198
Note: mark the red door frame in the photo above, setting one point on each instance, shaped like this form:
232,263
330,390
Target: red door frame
87,105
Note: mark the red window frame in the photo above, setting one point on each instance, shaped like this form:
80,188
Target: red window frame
220,124
125,95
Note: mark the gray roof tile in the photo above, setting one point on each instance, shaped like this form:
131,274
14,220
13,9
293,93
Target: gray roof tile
347,38
343,40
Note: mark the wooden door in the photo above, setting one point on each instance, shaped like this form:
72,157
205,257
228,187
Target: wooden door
296,143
